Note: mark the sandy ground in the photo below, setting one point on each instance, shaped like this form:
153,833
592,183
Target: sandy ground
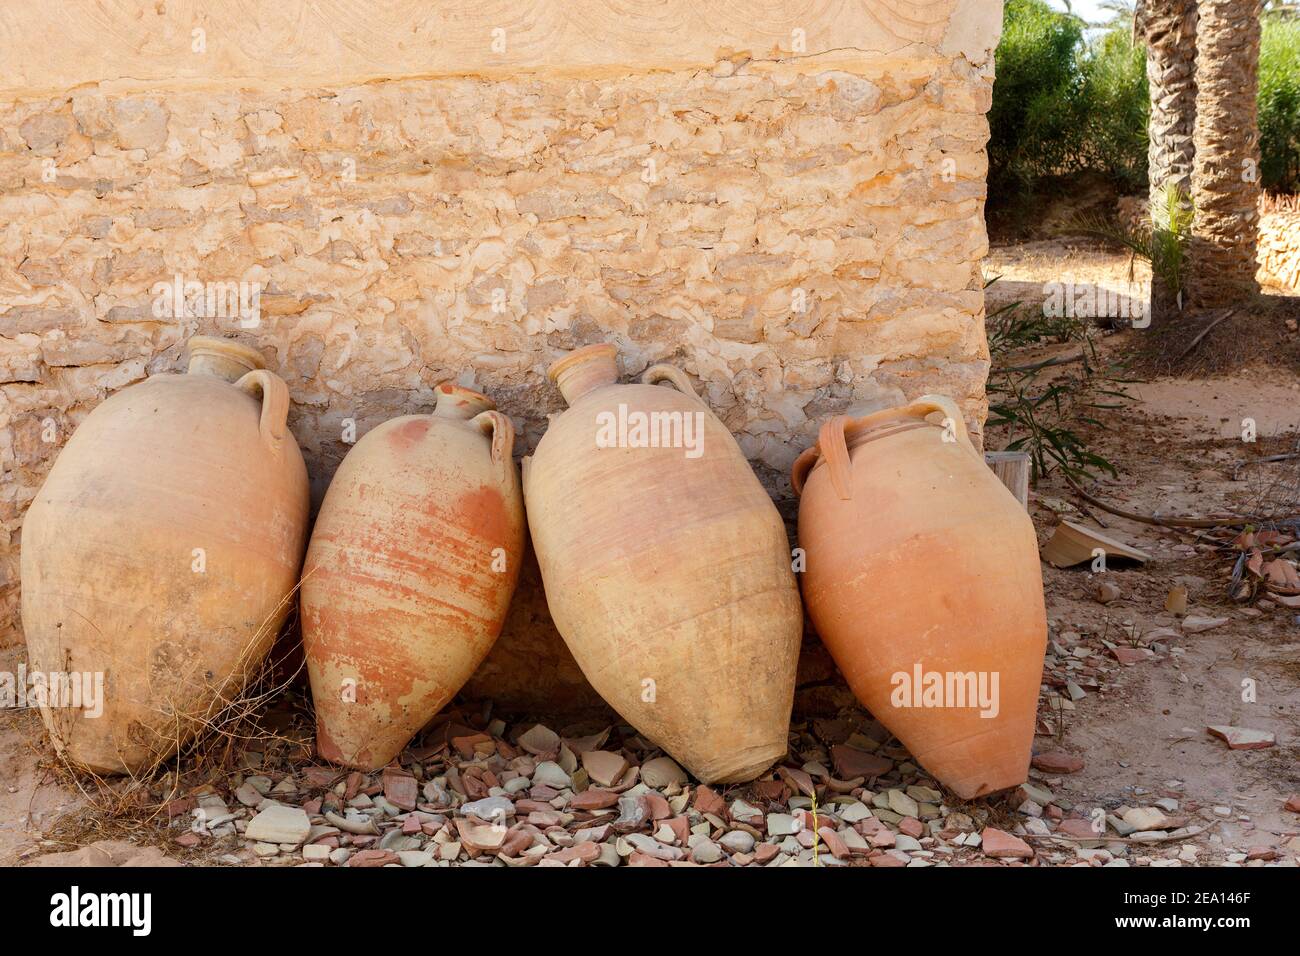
1140,728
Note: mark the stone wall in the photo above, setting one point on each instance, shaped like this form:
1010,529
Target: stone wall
800,231
1279,245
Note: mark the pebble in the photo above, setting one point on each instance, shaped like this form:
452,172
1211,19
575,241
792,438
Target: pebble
738,841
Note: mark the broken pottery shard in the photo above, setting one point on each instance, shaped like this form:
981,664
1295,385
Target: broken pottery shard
1243,738
1057,761
400,789
1197,625
540,740
1003,846
279,824
1073,544
490,809
604,767
593,798
1146,818
486,837
1131,655
662,772
850,762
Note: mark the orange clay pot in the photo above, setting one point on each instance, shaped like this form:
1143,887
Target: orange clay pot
667,569
920,563
409,574
162,553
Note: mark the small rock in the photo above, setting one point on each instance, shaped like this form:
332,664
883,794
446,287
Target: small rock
737,841
1293,804
316,852
706,851
1197,625
414,858
1107,592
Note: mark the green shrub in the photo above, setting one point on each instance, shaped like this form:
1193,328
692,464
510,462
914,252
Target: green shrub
1115,106
1034,120
1279,105
1063,104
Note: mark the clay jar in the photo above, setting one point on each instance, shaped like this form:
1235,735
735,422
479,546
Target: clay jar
923,582
412,563
667,569
161,555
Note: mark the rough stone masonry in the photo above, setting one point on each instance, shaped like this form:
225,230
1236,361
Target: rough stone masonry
785,201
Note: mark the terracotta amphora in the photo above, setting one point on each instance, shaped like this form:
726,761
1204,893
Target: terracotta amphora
667,567
923,582
408,578
160,557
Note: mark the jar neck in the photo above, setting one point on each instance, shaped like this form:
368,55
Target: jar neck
224,358
460,403
585,370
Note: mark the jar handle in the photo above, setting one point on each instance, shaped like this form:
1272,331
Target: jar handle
952,416
501,430
274,395
672,374
832,443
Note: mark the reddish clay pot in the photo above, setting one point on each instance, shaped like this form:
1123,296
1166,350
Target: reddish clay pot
162,553
921,563
667,569
412,563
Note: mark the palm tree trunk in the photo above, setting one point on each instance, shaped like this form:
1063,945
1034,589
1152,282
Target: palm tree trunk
1225,173
1169,29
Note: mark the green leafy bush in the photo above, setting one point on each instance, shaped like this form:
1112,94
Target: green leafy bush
1064,102
1116,107
1034,119
1279,105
